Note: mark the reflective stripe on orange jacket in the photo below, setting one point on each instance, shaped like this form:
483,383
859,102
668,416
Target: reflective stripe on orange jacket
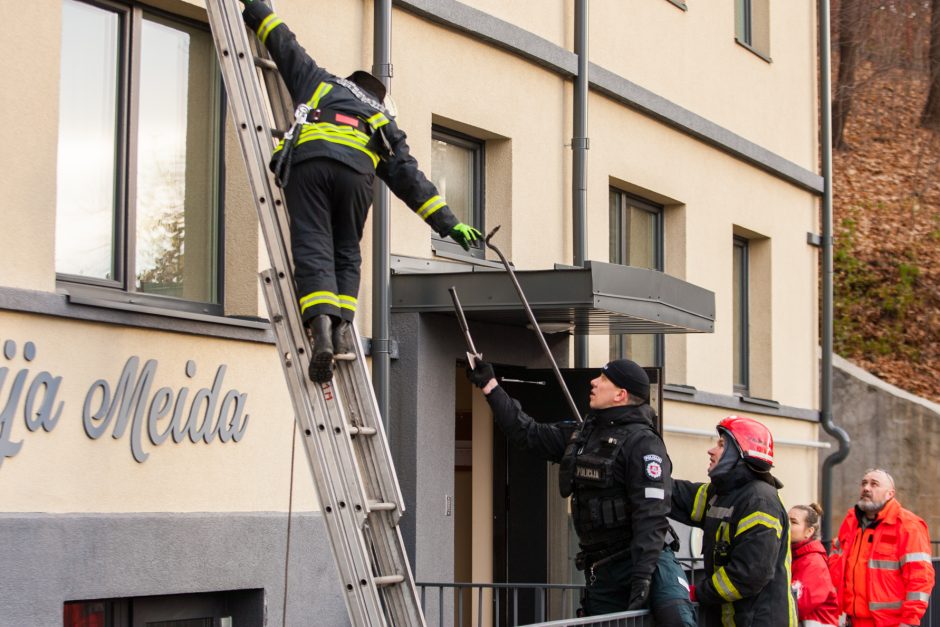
884,572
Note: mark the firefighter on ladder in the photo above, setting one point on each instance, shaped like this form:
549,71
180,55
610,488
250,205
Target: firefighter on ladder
342,136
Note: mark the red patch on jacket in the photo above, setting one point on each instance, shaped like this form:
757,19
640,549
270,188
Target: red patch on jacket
346,119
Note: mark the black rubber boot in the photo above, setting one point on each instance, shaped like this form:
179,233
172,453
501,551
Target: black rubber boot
343,349
321,364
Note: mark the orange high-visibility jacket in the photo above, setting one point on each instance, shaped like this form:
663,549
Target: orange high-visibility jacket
899,573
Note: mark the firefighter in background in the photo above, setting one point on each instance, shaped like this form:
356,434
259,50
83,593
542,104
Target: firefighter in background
880,561
618,475
342,137
746,542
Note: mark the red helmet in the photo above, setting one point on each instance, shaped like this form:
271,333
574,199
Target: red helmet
752,438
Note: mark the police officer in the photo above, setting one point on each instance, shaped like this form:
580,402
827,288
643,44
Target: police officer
615,469
746,542
342,137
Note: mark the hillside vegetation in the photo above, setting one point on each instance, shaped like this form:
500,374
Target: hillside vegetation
886,191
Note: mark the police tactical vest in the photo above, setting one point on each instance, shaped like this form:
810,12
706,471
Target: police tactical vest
599,506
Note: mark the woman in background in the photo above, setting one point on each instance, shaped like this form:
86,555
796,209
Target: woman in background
815,595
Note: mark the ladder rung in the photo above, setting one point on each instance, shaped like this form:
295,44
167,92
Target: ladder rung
362,431
388,580
265,64
379,506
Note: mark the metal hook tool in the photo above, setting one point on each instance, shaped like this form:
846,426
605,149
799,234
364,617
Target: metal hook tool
535,324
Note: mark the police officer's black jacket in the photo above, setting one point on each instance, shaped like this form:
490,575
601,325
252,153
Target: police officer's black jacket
746,546
371,140
621,475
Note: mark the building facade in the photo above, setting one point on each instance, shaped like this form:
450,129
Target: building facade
149,464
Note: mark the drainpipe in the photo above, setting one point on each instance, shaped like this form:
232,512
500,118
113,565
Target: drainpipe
381,275
579,147
825,95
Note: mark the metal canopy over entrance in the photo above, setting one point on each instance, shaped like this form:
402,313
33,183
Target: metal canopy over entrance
600,298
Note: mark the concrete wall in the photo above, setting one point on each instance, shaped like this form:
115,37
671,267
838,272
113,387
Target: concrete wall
890,429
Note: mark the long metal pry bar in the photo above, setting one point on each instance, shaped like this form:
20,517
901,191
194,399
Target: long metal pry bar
535,324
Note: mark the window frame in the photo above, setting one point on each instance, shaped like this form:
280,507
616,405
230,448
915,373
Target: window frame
626,200
122,288
744,16
477,148
741,317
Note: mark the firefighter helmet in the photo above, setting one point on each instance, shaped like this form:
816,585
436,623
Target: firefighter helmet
754,440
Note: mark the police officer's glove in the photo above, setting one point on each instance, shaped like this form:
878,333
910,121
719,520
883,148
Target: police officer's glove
481,375
639,594
465,235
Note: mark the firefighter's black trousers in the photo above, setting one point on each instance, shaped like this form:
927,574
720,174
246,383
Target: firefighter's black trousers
328,202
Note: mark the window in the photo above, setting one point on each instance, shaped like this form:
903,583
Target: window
636,239
741,320
752,26
457,170
138,178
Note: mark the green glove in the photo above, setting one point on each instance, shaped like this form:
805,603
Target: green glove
465,235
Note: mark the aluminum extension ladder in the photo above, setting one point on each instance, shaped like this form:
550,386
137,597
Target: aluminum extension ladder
340,423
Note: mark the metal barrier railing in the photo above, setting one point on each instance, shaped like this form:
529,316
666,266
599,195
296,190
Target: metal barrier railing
504,604
552,605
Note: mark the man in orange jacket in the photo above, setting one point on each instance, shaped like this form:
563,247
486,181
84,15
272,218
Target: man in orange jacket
880,562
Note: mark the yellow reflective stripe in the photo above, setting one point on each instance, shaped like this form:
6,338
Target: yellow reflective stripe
791,602
318,298
348,302
322,89
698,506
759,518
334,129
722,533
727,615
724,587
267,25
337,138
378,120
430,206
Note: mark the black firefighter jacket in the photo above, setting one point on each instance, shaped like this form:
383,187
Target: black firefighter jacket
375,144
642,467
746,547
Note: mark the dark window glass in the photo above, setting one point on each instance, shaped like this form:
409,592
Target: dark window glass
741,323
636,239
457,171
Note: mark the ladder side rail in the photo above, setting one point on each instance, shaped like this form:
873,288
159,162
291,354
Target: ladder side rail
280,105
353,378
250,113
343,525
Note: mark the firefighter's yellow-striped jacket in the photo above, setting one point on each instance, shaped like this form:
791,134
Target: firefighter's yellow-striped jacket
746,546
350,127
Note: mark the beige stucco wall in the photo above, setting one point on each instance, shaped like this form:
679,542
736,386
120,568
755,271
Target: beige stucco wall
524,113
101,475
691,58
29,100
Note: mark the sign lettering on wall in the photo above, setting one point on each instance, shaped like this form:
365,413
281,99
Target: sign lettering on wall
132,406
